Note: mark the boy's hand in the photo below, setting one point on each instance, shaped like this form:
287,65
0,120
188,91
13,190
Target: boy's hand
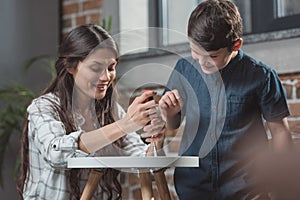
170,104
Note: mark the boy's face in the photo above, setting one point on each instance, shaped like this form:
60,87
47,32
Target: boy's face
211,61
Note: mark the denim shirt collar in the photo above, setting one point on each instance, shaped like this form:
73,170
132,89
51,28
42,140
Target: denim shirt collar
234,61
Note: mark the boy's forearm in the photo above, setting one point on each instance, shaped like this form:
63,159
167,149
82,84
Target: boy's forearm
173,122
281,138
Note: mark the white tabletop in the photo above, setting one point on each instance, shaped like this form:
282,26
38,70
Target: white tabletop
133,162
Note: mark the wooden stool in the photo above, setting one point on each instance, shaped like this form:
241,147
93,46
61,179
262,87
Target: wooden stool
162,184
91,185
146,184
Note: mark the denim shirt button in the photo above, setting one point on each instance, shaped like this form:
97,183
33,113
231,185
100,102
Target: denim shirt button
215,163
212,136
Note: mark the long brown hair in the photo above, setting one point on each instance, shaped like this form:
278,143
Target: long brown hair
76,46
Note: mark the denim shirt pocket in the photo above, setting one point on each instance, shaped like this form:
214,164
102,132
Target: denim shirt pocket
239,109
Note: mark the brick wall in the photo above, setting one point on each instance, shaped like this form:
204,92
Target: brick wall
292,84
77,12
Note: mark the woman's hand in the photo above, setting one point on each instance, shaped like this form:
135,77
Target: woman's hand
155,135
138,113
137,117
154,132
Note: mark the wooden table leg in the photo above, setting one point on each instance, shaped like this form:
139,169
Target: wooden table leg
146,185
91,185
162,184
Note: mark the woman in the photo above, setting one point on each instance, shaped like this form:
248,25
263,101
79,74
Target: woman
77,116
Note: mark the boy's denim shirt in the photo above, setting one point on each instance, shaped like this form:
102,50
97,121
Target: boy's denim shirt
224,125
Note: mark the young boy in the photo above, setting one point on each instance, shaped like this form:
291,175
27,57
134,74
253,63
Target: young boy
225,95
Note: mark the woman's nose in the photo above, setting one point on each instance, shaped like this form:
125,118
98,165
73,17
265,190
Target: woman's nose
104,76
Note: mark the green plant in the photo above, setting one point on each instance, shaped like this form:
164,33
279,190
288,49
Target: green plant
106,24
14,99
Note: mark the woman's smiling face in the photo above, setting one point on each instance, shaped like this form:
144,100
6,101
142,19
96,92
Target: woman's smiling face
95,74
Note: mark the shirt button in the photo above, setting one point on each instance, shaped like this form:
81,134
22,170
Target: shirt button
214,107
212,136
215,163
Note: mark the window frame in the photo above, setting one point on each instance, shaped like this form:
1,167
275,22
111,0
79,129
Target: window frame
266,10
265,27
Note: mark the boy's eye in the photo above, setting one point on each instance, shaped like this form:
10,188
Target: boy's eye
195,52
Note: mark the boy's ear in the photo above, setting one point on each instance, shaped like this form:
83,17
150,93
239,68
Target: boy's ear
237,44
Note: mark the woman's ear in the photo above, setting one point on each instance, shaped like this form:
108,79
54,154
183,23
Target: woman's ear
71,70
237,44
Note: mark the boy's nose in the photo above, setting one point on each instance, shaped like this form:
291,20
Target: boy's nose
202,60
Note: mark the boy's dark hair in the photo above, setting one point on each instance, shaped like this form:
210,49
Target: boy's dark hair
215,24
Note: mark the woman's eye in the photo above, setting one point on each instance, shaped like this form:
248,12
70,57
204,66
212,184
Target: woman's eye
112,67
97,69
